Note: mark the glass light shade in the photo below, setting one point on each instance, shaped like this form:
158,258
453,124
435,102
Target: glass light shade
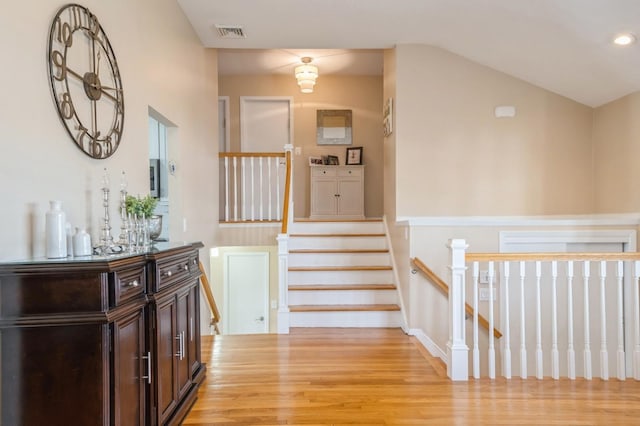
306,86
306,72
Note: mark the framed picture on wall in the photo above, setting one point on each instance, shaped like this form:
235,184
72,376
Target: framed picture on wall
354,156
333,127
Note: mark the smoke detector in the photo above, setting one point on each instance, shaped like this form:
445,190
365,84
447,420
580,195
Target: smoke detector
230,31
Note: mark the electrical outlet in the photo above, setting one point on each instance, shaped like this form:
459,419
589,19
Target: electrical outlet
484,277
484,294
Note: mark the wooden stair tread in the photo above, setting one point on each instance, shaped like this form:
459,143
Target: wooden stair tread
338,220
335,235
339,251
342,308
338,268
313,287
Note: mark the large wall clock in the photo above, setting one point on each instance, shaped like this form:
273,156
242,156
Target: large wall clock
85,81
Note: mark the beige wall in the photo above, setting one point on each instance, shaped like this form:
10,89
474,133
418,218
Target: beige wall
455,158
361,94
163,66
616,144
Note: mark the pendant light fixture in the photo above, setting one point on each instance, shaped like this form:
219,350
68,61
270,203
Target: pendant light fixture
306,74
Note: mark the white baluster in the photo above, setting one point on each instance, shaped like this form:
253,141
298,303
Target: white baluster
261,189
243,170
235,188
621,360
506,359
571,353
539,353
492,349
278,206
270,188
587,338
604,354
228,188
636,312
523,344
555,355
252,200
476,350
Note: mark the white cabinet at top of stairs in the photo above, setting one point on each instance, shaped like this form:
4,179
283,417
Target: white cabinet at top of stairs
337,192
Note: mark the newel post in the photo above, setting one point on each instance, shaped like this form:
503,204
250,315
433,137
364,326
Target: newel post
457,349
283,284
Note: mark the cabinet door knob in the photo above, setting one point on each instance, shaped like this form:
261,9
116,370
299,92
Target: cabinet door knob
133,284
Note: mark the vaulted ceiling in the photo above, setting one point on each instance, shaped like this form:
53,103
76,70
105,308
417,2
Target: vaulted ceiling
564,46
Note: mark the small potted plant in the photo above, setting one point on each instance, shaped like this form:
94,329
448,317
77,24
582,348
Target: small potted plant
143,207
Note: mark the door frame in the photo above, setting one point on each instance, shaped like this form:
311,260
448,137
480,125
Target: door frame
244,100
227,127
227,284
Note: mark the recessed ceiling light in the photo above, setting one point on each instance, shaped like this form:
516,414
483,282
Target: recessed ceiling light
624,39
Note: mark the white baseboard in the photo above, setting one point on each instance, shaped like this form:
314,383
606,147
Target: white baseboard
428,344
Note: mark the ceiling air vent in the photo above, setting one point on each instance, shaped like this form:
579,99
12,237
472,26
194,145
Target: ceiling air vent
230,31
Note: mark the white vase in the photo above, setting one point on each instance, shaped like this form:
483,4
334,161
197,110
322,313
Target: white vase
81,243
55,235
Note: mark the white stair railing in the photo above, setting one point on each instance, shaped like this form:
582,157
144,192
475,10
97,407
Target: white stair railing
253,186
540,302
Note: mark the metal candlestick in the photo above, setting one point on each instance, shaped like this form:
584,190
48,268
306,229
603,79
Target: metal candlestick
124,218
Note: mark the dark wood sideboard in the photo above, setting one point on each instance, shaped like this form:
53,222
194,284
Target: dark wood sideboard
101,341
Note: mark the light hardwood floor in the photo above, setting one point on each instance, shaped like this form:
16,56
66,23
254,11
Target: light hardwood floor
382,377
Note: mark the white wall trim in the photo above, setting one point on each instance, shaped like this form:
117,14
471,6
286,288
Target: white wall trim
628,219
509,240
396,277
428,344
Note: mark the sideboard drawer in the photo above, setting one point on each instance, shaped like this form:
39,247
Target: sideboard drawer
172,271
128,283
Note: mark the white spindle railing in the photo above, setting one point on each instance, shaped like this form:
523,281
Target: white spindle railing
552,329
253,186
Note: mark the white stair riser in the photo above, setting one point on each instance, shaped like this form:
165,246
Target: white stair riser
337,228
340,277
346,319
344,243
343,297
339,259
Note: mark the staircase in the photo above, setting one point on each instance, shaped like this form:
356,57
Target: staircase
340,275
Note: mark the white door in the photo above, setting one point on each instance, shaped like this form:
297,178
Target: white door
265,126
265,123
246,302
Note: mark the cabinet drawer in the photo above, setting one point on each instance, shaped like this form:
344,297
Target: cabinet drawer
323,171
173,270
350,172
128,283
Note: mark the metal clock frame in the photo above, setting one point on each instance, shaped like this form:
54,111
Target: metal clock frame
70,21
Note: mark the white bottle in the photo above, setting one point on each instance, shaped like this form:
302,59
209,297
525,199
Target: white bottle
81,243
56,238
69,233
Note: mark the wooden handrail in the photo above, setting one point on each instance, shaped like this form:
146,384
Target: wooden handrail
503,257
444,287
287,192
215,314
250,154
